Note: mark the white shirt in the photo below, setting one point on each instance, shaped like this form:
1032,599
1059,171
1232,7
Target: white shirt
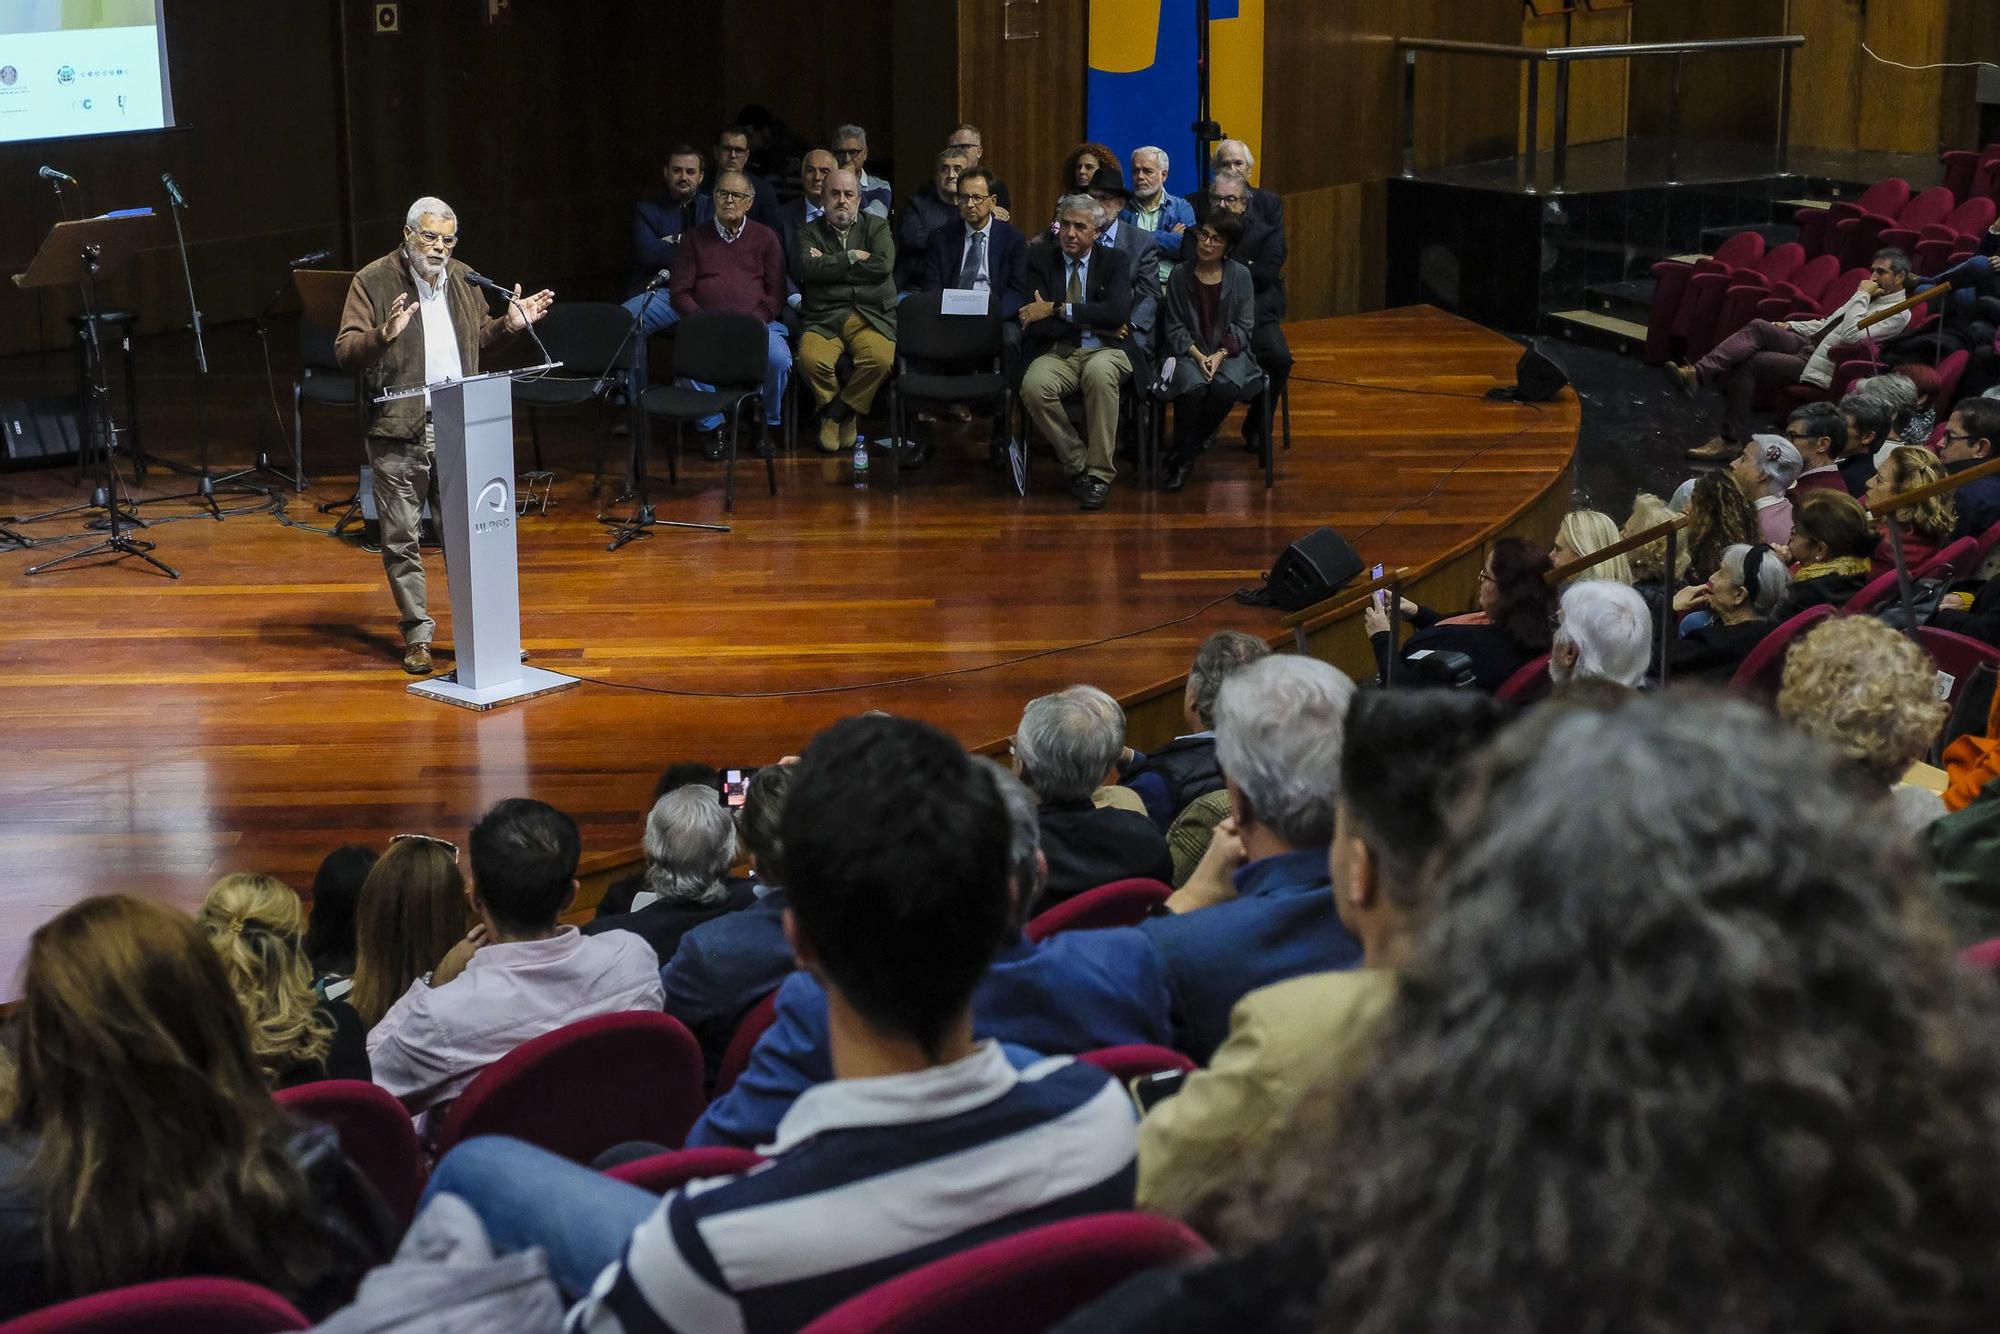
434,1040
441,360
1819,369
984,282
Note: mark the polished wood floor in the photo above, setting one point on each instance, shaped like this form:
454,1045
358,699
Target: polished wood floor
252,714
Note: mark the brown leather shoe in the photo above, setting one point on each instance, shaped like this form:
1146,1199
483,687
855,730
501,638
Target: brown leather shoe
1716,450
417,660
1682,376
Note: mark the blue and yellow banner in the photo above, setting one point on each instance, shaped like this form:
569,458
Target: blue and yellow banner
1142,78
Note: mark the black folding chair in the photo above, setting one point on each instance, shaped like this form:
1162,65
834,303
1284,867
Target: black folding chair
321,381
598,344
730,352
933,351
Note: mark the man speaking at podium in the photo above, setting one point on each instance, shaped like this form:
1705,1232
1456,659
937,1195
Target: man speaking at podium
412,318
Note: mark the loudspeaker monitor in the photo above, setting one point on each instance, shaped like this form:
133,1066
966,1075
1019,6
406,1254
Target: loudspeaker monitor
1311,570
1537,379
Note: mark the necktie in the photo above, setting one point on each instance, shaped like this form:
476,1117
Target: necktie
968,274
1075,293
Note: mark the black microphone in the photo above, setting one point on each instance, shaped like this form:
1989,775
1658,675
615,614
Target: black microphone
481,280
659,281
313,257
51,174
173,191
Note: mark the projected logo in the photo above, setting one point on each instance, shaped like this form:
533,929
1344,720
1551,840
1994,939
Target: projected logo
492,501
7,76
66,74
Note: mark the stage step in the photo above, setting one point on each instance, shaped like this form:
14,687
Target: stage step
1598,330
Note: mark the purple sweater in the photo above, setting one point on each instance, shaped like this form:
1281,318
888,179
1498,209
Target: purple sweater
745,276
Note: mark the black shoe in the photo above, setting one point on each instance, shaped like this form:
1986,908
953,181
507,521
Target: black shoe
1079,485
1177,475
1092,494
713,447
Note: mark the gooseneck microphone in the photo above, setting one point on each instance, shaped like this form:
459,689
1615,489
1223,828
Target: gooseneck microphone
311,257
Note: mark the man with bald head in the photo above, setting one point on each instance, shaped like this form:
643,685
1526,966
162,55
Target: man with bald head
736,265
814,168
412,319
844,262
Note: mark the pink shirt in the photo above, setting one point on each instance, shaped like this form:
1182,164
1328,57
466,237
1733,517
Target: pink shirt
1774,519
434,1040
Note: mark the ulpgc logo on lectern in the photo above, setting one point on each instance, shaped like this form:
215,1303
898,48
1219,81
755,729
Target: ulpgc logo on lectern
492,500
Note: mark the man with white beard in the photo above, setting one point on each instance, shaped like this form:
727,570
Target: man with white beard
1603,633
413,286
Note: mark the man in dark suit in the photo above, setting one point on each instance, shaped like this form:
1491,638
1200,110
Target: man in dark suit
978,251
1262,251
1077,325
732,153
1107,187
814,168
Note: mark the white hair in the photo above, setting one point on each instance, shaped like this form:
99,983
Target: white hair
1249,158
432,205
1159,153
1773,579
1608,625
1278,730
1084,204
1068,741
1230,175
690,842
1778,462
1024,832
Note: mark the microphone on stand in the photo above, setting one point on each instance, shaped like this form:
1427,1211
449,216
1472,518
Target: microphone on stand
658,281
173,191
312,257
51,174
481,280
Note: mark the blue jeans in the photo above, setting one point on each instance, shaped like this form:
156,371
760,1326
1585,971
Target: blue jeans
654,311
530,1197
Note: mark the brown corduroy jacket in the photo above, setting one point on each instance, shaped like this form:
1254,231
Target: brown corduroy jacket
383,364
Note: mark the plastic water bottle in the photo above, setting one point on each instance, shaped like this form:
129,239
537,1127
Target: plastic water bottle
860,465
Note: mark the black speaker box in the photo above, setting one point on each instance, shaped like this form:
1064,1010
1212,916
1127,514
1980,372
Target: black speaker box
38,432
1311,570
1536,380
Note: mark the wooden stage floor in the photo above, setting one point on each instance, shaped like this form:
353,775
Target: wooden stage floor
253,714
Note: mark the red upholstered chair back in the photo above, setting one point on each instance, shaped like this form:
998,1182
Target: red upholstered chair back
1765,667
1886,197
1986,955
1781,262
375,1134
172,1306
1529,683
1740,251
1834,295
1956,655
670,1171
1018,1284
588,1086
1988,540
1127,1063
736,1058
1119,903
1932,206
1949,372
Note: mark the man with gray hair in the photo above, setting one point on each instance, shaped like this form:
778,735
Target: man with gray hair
414,284
1259,909
1234,155
844,262
1603,633
850,151
1164,216
1067,747
1185,768
690,842
1078,332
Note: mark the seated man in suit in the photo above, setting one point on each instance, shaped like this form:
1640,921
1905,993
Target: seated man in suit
934,206
1107,187
1075,992
1078,327
1259,908
1066,747
1262,251
847,302
978,252
1971,437
814,168
732,153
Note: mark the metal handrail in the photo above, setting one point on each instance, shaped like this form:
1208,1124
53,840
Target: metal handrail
1562,57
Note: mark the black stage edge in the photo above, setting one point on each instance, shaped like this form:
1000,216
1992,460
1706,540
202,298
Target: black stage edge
1495,242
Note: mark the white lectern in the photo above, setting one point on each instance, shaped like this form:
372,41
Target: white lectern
473,422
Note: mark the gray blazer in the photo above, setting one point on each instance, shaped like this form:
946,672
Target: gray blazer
1239,373
1138,247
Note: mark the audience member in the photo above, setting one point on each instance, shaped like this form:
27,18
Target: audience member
1791,352
1719,517
658,223
1830,544
735,265
1512,623
814,168
967,137
930,209
1258,909
690,845
519,974
144,1144
1674,1017
978,252
1970,438
850,153
412,913
1819,433
1211,313
1169,778
1233,155
1585,533
868,1174
255,924
1914,426
1927,525
1287,1040
1079,168
1082,342
1077,991
732,153
1650,576
1068,744
1262,252
1870,693
724,967
336,897
1765,469
1739,597
1107,187
1899,393
842,262
1603,633
1165,216
1868,418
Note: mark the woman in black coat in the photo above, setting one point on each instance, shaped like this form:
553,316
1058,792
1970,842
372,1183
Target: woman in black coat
1514,622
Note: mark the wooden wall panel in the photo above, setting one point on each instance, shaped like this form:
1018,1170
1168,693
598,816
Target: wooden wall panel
1335,245
1828,69
817,64
1726,97
1972,33
1898,110
1599,89
1026,96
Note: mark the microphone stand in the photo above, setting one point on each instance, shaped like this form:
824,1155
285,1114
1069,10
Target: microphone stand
260,329
643,516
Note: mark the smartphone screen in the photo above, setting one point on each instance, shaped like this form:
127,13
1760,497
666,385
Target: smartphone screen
736,786
1381,594
1150,1090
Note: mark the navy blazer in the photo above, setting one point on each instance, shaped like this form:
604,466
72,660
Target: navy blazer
1006,262
1107,297
1280,925
723,968
1072,993
654,217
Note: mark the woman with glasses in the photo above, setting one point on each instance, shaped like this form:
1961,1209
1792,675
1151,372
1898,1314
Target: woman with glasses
413,911
1211,312
1512,622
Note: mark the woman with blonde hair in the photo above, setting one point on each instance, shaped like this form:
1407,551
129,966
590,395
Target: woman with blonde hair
145,1144
1927,526
1585,533
1650,576
413,910
256,925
